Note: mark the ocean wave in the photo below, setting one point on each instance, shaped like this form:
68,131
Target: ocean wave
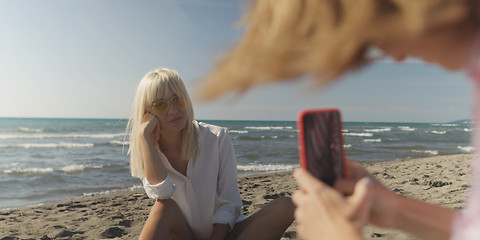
386,129
10,165
238,131
70,135
270,128
373,140
467,129
407,128
267,167
358,134
445,124
22,136
118,143
28,170
66,169
347,146
249,138
29,130
77,168
113,191
438,132
431,152
48,145
467,149
260,138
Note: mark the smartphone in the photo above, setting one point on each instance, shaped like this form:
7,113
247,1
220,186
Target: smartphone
321,144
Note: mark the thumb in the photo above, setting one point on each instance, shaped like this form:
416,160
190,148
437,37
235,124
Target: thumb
361,202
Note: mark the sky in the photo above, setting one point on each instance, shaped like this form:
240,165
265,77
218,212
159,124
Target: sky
84,59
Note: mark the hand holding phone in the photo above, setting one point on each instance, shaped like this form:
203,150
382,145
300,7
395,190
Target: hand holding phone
321,144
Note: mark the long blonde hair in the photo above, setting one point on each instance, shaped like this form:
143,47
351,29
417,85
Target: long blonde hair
154,85
285,39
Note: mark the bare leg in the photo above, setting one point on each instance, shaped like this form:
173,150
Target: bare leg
166,221
268,223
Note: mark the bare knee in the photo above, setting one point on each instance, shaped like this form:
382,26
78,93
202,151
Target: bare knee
166,221
268,223
284,201
165,207
284,207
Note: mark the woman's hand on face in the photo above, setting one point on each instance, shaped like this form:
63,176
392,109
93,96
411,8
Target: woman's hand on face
150,127
384,200
324,213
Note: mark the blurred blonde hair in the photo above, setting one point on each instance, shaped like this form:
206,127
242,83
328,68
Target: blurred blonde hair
285,39
154,85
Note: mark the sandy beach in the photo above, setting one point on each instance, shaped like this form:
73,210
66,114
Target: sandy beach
441,180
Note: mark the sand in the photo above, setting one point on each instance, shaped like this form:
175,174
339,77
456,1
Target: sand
441,180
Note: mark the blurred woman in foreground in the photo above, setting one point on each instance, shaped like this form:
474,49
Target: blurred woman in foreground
286,39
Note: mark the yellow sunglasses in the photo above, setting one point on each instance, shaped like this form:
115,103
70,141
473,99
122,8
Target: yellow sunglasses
161,106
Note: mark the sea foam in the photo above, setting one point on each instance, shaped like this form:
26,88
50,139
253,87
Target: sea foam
70,135
30,130
431,152
113,191
358,134
48,145
238,131
269,128
118,143
27,170
468,149
386,129
267,167
438,132
407,128
77,168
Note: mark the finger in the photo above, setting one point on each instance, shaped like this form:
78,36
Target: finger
298,214
361,200
361,191
297,197
156,117
147,116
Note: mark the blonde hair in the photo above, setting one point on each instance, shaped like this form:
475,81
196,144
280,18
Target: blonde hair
154,85
285,39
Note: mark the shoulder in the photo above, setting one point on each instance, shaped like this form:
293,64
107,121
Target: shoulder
209,129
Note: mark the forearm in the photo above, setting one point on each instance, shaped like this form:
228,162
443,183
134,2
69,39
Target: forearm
219,231
155,171
422,219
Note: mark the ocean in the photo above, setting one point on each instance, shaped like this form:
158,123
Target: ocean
47,160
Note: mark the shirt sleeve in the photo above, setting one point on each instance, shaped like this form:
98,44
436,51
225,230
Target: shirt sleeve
228,201
163,190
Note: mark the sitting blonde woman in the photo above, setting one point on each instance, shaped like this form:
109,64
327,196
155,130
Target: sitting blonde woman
189,167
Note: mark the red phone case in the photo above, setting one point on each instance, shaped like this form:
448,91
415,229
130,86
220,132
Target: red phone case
301,136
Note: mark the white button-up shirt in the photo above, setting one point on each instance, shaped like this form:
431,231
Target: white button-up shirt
209,193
